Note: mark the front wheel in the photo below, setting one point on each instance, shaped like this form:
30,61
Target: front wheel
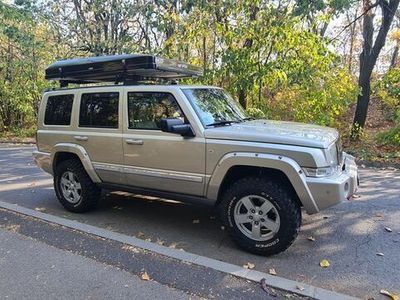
261,215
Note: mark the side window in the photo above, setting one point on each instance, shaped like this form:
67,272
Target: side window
58,110
146,109
99,110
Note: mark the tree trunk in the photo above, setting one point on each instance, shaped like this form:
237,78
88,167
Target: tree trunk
242,98
369,56
247,44
393,61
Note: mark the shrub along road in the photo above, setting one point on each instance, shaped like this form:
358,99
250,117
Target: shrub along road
351,236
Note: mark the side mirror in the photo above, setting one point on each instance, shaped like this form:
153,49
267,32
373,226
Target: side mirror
176,126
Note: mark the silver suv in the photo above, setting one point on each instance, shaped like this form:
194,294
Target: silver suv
193,144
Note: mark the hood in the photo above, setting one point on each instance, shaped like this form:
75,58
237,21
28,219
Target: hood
276,132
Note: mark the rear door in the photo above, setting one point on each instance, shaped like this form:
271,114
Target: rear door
99,131
155,159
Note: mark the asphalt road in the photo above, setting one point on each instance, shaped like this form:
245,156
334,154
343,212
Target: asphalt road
349,235
40,271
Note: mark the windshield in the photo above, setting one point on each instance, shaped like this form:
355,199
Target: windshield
215,106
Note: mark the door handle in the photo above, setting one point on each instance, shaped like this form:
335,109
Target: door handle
134,142
80,138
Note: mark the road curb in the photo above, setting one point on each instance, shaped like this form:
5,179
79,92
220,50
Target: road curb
234,270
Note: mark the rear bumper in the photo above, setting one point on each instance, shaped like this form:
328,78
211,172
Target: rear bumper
329,191
42,160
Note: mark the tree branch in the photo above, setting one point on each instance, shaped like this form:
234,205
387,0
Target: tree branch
355,20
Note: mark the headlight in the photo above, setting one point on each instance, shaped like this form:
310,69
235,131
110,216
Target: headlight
332,155
320,172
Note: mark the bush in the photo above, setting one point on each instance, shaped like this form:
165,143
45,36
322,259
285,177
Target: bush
388,89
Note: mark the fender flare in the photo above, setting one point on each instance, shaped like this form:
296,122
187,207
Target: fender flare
81,153
284,164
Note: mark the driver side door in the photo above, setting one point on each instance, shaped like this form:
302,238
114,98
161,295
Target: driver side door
159,160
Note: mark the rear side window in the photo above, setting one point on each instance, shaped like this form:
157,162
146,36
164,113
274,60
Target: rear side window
58,110
146,109
99,110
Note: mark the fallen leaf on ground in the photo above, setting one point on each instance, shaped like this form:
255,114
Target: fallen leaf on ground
249,266
390,295
324,263
140,235
272,271
388,229
148,240
160,242
380,254
13,227
173,245
40,209
145,276
300,288
130,248
196,221
311,238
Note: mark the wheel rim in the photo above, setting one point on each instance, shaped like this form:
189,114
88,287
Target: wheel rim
257,218
70,187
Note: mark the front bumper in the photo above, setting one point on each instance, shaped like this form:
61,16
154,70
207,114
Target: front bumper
340,187
42,160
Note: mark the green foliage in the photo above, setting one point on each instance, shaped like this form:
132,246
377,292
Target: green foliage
285,71
390,137
388,88
252,48
25,50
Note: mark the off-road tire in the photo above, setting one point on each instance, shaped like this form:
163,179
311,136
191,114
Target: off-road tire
280,196
90,192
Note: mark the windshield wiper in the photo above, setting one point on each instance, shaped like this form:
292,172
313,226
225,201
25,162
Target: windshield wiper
248,119
222,123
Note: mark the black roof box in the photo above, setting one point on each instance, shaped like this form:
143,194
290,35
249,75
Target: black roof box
125,68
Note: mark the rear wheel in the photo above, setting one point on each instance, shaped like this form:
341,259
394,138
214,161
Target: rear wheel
74,188
261,215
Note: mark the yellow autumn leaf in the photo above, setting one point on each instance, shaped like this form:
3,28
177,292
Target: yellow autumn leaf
145,276
324,263
249,266
390,295
272,271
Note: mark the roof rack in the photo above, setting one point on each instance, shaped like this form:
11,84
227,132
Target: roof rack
124,68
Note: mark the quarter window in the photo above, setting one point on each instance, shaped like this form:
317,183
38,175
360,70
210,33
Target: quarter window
58,110
146,109
99,110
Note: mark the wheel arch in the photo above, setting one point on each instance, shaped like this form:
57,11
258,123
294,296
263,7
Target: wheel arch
65,151
236,165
